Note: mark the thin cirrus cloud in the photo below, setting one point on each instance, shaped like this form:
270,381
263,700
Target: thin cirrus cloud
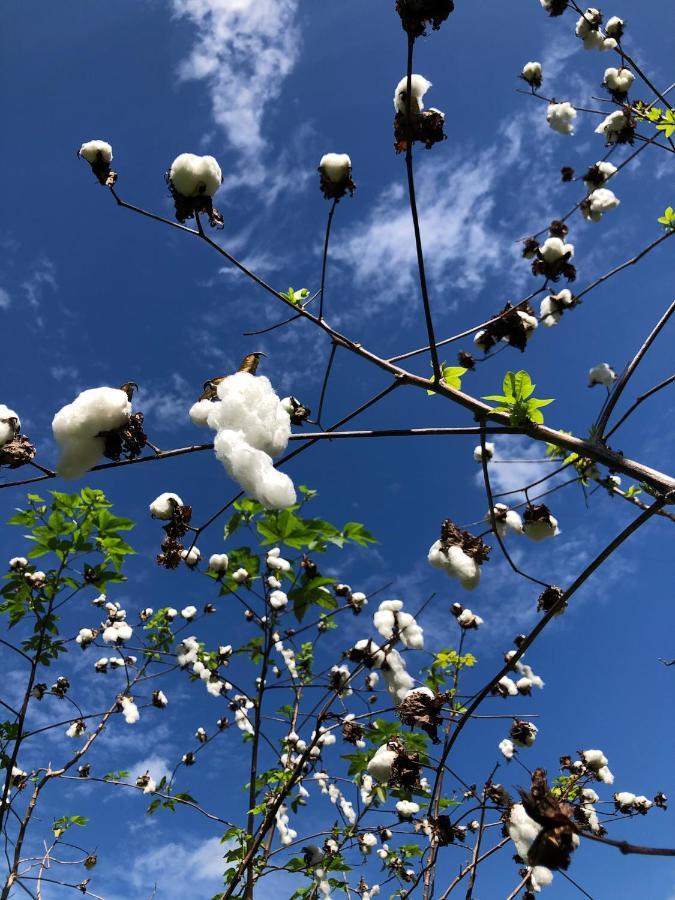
243,50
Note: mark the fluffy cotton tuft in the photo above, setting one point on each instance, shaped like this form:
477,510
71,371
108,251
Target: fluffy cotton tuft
540,529
7,426
603,373
406,809
561,116
554,248
162,507
532,74
418,88
598,203
618,80
389,616
553,306
77,427
218,562
91,150
456,563
489,452
379,767
612,125
336,167
506,520
506,748
195,176
396,677
129,710
251,426
588,30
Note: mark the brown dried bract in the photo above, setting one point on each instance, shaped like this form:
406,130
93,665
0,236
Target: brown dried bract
126,442
425,127
250,362
419,708
190,207
558,7
336,190
508,327
443,832
103,172
405,770
417,14
473,546
567,174
466,360
170,557
16,452
555,843
352,732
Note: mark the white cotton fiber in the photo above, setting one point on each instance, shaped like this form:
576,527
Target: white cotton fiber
7,427
195,176
336,167
91,149
77,428
418,88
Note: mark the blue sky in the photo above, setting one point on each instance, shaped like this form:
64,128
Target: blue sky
90,295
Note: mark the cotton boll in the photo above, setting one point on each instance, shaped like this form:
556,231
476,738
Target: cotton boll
129,710
594,759
553,306
506,520
84,637
601,374
624,800
605,775
9,424
469,620
522,830
618,81
195,176
93,151
598,175
642,804
561,116
191,556
336,167
615,27
406,809
506,687
588,30
76,729
117,633
456,563
77,427
554,249
612,126
418,88
199,412
540,876
254,471
506,748
18,563
250,405
163,507
379,767
189,613
278,599
598,203
489,452
532,74
540,529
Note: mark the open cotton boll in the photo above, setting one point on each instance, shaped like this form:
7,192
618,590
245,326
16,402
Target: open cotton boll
194,176
489,452
598,203
199,412
554,248
9,424
336,167
396,677
532,74
598,174
418,88
162,507
278,599
553,306
254,471
456,563
618,81
614,27
612,126
218,562
406,809
379,767
540,529
129,710
93,151
588,30
561,116
506,520
506,748
623,800
540,877
389,616
191,556
522,830
603,373
77,426
250,405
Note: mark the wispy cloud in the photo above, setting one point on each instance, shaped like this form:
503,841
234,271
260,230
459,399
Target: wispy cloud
517,462
42,276
5,299
244,49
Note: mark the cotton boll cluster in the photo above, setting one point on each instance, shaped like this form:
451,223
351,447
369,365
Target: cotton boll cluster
588,30
561,116
554,305
99,156
598,203
618,81
489,452
10,425
116,630
78,427
617,128
335,170
532,74
507,749
164,506
603,374
240,705
539,523
597,764
356,599
389,620
406,809
251,426
286,834
129,709
506,520
466,619
188,651
505,687
459,554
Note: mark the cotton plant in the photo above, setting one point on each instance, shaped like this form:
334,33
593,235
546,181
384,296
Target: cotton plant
459,554
193,180
588,30
251,427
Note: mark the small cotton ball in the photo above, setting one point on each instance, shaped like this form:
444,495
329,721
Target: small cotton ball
159,699
240,576
85,637
10,424
191,556
218,562
278,599
532,74
554,249
601,374
336,167
618,81
613,126
598,203
418,88
129,710
380,764
489,452
195,176
18,563
506,748
77,428
406,809
623,801
93,151
540,876
561,116
614,28
189,613
163,507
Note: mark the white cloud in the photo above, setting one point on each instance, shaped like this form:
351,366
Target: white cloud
5,299
528,465
457,199
167,406
158,766
192,868
41,277
244,49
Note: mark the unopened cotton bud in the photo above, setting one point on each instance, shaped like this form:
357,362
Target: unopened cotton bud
163,507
